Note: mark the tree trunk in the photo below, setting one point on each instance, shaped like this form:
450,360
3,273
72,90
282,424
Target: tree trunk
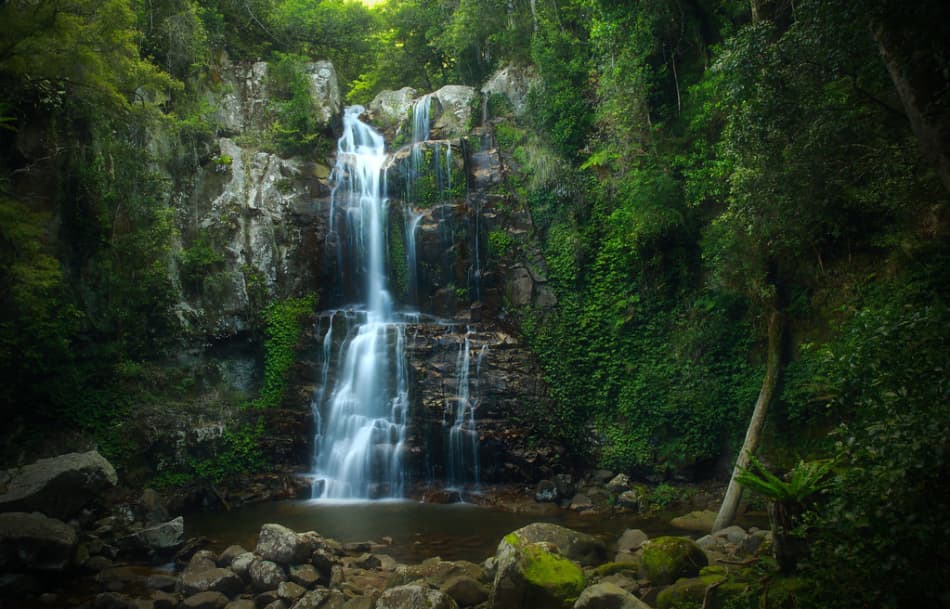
730,503
920,78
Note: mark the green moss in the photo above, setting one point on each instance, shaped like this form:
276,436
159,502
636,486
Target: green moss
691,593
665,559
399,273
610,568
512,540
560,579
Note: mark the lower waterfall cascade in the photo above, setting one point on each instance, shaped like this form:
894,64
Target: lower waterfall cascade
361,403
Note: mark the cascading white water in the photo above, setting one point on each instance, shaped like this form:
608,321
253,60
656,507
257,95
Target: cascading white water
362,428
461,459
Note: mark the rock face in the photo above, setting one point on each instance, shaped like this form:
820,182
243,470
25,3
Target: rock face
33,541
57,487
513,82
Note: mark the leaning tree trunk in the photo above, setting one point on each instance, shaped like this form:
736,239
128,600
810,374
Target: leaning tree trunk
914,47
730,503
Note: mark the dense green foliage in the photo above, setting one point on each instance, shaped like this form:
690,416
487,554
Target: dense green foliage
283,321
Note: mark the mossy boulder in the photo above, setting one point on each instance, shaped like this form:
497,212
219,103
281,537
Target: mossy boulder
692,592
582,548
534,575
666,559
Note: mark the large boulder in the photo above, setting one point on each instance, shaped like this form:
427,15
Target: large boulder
265,575
414,596
455,102
282,545
33,541
606,595
666,559
389,108
573,545
532,575
159,540
225,581
58,487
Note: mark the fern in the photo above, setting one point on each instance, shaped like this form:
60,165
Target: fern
805,479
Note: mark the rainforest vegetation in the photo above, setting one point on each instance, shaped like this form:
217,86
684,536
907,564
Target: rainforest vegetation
723,192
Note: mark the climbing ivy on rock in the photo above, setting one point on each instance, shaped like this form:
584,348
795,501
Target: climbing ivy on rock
283,324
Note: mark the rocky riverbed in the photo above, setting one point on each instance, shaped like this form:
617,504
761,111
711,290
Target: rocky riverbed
66,542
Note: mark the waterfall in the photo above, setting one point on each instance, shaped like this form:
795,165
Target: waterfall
412,217
361,423
461,459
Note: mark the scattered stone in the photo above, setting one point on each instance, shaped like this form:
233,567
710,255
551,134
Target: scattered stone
367,601
158,540
631,500
35,542
601,476
442,497
735,534
631,541
265,575
666,559
565,485
205,600
241,603
277,604
435,572
58,487
619,484
466,591
241,564
266,598
304,575
117,578
581,503
114,600
546,492
281,545
225,558
290,592
323,560
154,510
190,547
700,521
202,560
606,595
164,600
414,596
321,599
215,579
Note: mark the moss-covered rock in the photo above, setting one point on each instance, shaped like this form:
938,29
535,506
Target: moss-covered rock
666,559
692,592
533,575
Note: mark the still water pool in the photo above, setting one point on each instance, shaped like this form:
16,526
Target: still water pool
418,530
